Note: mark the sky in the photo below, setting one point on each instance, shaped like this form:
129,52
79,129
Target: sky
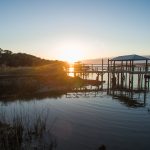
75,29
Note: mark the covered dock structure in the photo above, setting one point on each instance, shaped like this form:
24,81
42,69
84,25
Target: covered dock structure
129,72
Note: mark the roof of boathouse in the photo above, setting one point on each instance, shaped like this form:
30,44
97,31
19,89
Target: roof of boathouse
129,57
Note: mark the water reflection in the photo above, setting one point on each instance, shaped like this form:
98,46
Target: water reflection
128,98
30,97
85,120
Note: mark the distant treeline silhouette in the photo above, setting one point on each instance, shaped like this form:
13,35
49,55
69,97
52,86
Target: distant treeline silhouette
8,58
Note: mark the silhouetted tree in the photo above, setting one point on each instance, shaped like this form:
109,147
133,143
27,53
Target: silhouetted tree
11,59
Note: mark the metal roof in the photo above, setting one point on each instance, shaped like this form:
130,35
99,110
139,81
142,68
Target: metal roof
129,57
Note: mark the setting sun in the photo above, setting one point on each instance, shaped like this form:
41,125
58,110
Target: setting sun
70,49
71,56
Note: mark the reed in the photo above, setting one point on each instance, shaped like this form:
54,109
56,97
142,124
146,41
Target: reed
22,133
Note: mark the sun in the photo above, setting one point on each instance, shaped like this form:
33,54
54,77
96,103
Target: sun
71,56
70,49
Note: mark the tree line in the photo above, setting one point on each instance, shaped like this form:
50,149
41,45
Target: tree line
8,58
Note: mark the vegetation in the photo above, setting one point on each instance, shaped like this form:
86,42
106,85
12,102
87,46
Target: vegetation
23,74
8,58
21,134
28,132
27,80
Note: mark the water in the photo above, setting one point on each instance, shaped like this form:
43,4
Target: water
84,121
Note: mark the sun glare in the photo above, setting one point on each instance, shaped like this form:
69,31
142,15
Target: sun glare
70,49
71,56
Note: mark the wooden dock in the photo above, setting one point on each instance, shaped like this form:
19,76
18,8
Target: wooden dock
122,74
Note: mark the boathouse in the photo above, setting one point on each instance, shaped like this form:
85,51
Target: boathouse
130,72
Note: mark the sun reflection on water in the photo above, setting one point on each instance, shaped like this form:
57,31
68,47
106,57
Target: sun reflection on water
71,71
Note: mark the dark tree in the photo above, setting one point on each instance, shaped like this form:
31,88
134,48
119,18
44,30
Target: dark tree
8,58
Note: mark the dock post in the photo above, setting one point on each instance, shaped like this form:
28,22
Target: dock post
111,74
118,79
102,75
132,76
122,74
142,81
108,78
146,69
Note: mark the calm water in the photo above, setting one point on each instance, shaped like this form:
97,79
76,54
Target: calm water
84,121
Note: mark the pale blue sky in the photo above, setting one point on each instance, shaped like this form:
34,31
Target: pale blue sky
92,28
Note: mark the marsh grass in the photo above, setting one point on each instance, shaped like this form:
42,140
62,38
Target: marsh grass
25,133
32,81
50,69
26,80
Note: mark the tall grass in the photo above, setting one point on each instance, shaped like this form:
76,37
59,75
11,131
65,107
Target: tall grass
26,80
51,69
22,133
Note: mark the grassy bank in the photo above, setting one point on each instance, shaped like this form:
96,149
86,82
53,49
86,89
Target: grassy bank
36,80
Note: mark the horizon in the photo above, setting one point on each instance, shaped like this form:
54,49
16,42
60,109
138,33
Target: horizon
75,30
86,61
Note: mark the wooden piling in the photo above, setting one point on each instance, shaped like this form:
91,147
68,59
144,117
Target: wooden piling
108,77
102,74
